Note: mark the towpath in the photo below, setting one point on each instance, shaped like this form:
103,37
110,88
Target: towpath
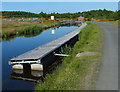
108,77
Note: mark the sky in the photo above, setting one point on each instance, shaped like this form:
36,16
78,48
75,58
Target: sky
60,0
60,7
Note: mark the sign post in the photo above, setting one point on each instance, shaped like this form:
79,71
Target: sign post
52,17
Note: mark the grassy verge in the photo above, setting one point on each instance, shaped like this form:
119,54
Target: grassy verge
117,23
78,73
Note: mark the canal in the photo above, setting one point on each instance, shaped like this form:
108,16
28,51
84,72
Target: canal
20,45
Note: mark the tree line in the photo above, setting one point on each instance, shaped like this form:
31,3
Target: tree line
96,14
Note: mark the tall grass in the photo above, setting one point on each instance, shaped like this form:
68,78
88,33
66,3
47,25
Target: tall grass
27,32
65,50
78,73
32,29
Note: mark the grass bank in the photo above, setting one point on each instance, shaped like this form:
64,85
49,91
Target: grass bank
78,73
27,32
11,29
13,26
117,23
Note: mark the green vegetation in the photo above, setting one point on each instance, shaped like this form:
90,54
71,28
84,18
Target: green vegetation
65,50
117,23
10,14
26,32
11,29
96,14
14,26
78,73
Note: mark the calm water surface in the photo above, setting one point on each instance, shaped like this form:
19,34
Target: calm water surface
20,45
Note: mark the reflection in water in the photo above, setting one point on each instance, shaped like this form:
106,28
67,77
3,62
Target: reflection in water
37,73
53,32
32,33
21,45
27,75
18,71
35,76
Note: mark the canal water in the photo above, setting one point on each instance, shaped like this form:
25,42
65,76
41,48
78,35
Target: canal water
20,45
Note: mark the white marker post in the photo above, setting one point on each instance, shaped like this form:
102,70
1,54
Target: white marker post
52,17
